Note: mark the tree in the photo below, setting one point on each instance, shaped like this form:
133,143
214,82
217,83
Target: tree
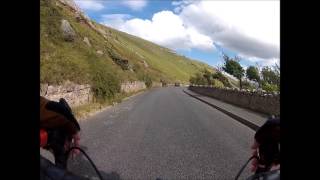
276,68
233,67
270,76
253,73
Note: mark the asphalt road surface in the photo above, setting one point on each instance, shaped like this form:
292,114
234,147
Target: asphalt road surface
166,134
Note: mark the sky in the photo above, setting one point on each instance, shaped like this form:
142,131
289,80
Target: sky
199,29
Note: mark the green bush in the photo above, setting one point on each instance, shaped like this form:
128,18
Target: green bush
219,76
198,79
105,84
148,82
123,63
247,85
270,87
207,78
143,76
163,82
217,83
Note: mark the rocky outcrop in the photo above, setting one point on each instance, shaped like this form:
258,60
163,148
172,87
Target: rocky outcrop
145,64
74,94
86,40
71,4
128,87
67,31
81,17
156,84
101,31
100,52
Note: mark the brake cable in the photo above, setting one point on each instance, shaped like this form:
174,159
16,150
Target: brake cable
91,162
244,166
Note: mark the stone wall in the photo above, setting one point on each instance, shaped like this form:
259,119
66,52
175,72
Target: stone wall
74,94
264,103
134,86
156,84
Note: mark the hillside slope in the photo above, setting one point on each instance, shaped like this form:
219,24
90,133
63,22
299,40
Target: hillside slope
101,56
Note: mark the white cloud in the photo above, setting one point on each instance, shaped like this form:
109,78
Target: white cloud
183,2
90,5
115,20
262,62
165,28
177,9
270,62
249,28
135,5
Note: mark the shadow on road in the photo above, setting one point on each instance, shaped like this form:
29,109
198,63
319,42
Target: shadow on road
110,176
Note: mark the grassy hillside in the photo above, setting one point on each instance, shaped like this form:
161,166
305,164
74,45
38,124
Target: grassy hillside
125,57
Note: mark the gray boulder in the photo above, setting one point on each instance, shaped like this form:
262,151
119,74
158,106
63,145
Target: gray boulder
99,52
67,31
86,40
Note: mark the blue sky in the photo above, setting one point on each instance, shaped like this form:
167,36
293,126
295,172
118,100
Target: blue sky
197,29
116,7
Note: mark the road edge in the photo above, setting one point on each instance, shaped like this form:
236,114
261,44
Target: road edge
104,108
230,114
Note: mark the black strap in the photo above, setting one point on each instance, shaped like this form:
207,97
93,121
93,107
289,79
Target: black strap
91,162
244,166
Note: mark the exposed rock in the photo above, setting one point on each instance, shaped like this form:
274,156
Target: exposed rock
132,86
99,52
67,31
74,94
86,40
71,4
101,31
156,84
145,64
80,18
138,54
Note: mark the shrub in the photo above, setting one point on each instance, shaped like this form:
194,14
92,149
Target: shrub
247,85
123,63
219,76
105,85
148,81
217,84
270,87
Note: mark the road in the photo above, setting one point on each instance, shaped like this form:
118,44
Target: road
164,133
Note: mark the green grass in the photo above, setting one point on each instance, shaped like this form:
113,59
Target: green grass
75,61
168,65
